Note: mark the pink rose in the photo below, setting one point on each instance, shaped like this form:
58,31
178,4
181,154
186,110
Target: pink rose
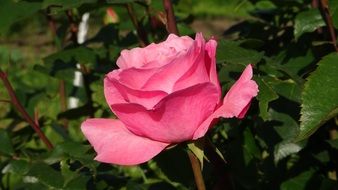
164,94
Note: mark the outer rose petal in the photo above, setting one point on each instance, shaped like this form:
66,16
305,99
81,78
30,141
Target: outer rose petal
235,103
115,144
210,62
175,118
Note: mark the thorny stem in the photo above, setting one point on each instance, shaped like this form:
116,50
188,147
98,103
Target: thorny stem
171,21
196,168
141,34
22,110
324,8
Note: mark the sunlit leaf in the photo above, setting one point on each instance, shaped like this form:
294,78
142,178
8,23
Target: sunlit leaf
308,21
319,97
285,149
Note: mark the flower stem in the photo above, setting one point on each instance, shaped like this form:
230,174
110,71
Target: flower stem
21,109
141,33
324,8
171,21
196,168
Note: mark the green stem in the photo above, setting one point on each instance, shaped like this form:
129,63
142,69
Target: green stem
196,168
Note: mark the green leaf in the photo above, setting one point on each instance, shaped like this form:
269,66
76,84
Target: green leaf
197,148
46,175
287,128
231,52
66,172
78,183
299,182
286,88
6,144
62,64
80,54
17,167
71,149
319,97
333,143
285,149
265,5
250,147
266,94
14,11
308,21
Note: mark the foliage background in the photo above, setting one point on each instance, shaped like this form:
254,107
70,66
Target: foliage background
287,141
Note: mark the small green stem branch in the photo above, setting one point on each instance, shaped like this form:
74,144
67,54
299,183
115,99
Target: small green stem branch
21,109
324,8
171,21
141,33
196,168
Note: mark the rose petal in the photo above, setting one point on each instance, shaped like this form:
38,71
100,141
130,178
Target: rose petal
175,118
114,144
210,62
131,58
133,77
240,95
235,103
197,73
115,93
166,77
154,55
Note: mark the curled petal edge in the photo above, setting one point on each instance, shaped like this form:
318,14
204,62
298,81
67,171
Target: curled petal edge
235,103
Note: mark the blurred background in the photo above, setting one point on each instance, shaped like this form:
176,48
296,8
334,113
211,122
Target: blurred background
56,52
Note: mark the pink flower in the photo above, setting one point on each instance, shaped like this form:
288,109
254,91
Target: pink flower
164,94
